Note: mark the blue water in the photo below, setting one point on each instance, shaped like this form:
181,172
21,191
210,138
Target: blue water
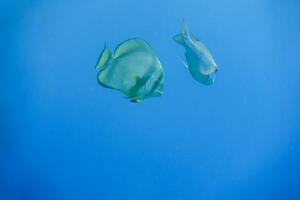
63,136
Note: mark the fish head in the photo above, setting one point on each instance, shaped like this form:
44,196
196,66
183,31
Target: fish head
135,100
207,70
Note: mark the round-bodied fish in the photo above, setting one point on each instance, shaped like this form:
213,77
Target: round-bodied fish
133,69
200,62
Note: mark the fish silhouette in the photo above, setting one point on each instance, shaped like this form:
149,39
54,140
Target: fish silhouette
200,62
133,69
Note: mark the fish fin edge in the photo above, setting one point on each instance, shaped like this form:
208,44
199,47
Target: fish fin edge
104,57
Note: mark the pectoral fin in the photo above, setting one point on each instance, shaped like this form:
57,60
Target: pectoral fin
184,63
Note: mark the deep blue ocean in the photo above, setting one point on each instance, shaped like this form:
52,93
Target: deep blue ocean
64,137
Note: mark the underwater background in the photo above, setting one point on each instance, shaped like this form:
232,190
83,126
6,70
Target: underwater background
63,136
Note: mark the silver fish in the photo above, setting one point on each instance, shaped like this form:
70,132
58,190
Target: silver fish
200,62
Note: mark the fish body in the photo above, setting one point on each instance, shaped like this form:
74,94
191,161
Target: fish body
200,62
133,69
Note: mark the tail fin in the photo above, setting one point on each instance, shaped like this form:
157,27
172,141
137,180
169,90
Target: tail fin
104,57
185,34
185,30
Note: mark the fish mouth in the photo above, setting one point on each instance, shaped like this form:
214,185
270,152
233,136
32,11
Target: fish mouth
211,70
135,100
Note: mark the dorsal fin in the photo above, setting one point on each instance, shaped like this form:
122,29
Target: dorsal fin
131,45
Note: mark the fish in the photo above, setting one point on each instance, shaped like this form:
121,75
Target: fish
133,69
200,62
